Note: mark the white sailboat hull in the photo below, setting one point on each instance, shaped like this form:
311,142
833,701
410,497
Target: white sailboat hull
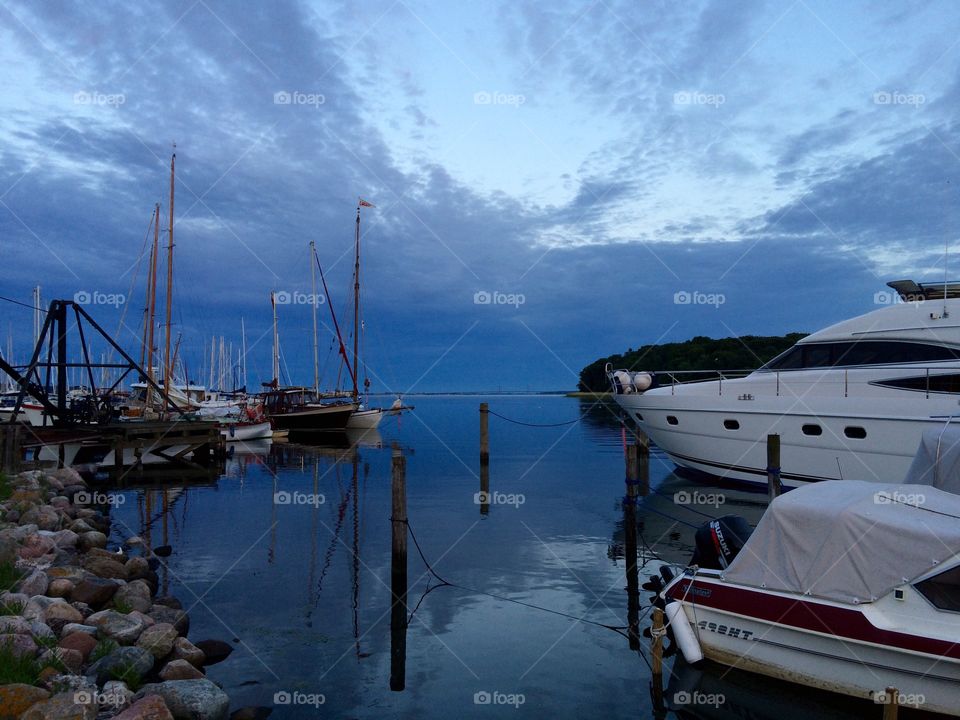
367,419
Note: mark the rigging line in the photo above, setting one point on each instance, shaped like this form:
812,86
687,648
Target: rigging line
17,302
518,422
615,628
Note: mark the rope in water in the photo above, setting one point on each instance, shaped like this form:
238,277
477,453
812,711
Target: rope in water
526,424
444,582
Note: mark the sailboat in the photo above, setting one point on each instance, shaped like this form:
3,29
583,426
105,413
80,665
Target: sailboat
299,408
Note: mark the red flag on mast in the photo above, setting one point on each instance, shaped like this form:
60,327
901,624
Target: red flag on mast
364,203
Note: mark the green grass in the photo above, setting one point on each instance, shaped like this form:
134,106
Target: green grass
9,576
13,607
129,675
123,607
103,648
17,669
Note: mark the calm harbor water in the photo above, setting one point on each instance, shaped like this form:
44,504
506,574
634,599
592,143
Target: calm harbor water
288,555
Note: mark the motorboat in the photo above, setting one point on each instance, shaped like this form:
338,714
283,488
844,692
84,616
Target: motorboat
847,586
299,409
848,402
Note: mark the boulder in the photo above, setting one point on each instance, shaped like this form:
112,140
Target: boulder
115,695
134,660
191,699
214,650
59,657
178,618
68,476
117,626
91,539
105,567
77,627
62,611
17,698
151,707
37,546
14,625
20,645
81,526
180,670
41,630
61,587
79,641
8,548
66,538
64,706
95,591
135,594
68,572
137,567
159,639
36,583
183,649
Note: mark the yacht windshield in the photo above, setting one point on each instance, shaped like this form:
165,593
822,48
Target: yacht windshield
860,352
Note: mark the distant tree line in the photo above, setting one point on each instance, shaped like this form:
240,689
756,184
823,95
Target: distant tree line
700,353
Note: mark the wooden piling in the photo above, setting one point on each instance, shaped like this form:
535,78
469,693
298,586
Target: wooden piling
484,434
892,706
10,449
657,633
484,489
398,572
630,555
633,463
774,486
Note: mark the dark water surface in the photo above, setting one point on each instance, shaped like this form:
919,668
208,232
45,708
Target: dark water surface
302,590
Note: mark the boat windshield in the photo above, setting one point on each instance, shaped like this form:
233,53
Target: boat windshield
860,352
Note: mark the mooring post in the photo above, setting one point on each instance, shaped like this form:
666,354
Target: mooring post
633,462
484,496
774,487
892,706
630,553
657,632
484,434
398,572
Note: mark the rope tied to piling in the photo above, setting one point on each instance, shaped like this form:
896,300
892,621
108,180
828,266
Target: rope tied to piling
527,424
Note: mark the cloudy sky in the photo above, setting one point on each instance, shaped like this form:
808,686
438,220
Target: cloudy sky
553,182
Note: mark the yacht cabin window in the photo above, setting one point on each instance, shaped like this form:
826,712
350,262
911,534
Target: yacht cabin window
861,352
942,590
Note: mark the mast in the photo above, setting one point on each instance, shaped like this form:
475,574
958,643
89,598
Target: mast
152,305
316,351
243,339
167,369
356,305
37,323
276,343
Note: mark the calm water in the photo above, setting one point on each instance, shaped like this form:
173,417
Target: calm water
302,590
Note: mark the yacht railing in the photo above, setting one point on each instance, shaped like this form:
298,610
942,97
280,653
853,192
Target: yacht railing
675,378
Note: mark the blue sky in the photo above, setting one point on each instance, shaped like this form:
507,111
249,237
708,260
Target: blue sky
586,167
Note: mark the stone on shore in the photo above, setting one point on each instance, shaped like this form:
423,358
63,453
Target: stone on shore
36,583
135,594
183,649
95,591
117,626
191,699
151,707
133,660
64,706
159,639
79,641
17,698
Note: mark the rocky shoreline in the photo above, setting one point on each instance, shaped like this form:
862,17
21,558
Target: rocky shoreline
83,633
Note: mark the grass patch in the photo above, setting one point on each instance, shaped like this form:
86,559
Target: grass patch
103,648
16,668
9,576
12,607
122,607
127,674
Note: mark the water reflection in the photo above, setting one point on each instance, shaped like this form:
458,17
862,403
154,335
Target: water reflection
322,597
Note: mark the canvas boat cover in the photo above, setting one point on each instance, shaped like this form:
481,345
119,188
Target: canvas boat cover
937,461
850,541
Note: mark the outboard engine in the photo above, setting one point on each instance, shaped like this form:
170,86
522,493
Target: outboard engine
718,541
